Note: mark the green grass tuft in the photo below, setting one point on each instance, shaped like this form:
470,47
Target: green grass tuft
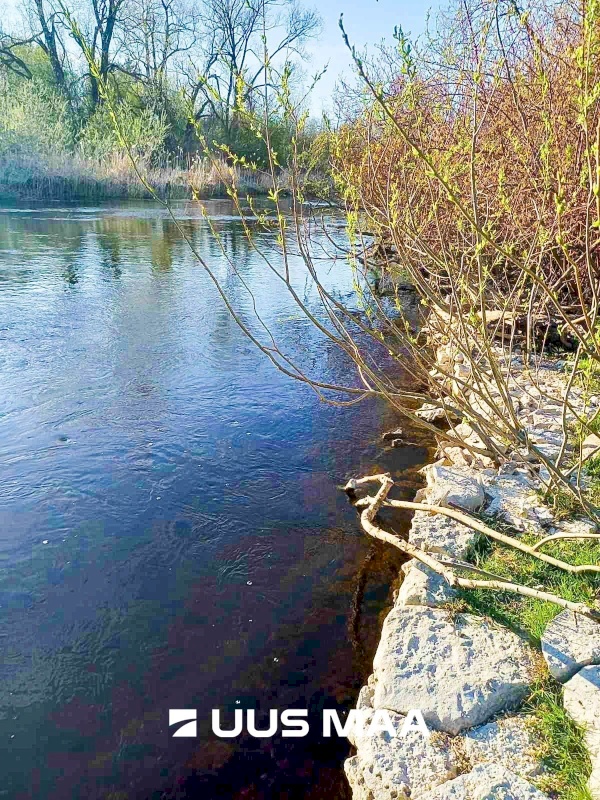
527,615
562,749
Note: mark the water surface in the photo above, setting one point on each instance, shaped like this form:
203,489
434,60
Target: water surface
172,532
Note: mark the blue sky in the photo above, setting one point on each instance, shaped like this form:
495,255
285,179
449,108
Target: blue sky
367,22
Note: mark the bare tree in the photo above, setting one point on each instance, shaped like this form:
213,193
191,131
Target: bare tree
233,58
49,25
105,16
152,38
48,31
9,58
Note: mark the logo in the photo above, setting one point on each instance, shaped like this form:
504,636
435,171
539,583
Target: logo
293,722
186,715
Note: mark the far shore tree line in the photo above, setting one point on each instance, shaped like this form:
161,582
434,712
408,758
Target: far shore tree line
174,68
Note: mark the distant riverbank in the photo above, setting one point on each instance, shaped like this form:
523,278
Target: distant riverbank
82,180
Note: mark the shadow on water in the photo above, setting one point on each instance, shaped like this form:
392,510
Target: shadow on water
173,534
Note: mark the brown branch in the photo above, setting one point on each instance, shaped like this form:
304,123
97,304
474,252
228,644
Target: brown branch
557,536
373,504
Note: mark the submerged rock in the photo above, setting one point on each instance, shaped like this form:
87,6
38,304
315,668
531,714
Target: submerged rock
569,643
460,671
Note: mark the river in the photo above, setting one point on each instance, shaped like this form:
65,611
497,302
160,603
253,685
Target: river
172,530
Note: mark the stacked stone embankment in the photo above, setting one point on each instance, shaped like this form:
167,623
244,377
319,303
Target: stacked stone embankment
469,675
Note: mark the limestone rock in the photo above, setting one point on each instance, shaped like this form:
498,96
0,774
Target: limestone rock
582,698
432,413
440,534
457,456
398,767
582,703
445,355
569,643
549,418
486,782
464,431
542,514
512,498
508,468
460,456
353,772
591,446
509,741
548,442
365,697
573,526
423,587
453,487
459,671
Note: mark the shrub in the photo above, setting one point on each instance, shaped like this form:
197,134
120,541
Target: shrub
34,120
480,156
143,131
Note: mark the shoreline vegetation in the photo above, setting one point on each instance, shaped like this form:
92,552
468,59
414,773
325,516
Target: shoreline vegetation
176,87
78,179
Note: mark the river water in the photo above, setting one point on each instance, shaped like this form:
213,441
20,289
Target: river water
172,530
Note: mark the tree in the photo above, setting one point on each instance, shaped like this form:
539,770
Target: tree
153,36
233,57
106,15
97,24
48,30
9,57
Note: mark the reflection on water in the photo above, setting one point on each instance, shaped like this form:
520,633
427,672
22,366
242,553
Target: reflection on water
172,532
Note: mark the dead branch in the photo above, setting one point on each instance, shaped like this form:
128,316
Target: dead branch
558,536
442,567
470,522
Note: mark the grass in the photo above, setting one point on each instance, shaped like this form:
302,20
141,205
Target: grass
563,504
79,179
562,749
588,374
523,614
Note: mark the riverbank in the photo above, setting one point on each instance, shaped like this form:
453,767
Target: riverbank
84,180
508,684
88,180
